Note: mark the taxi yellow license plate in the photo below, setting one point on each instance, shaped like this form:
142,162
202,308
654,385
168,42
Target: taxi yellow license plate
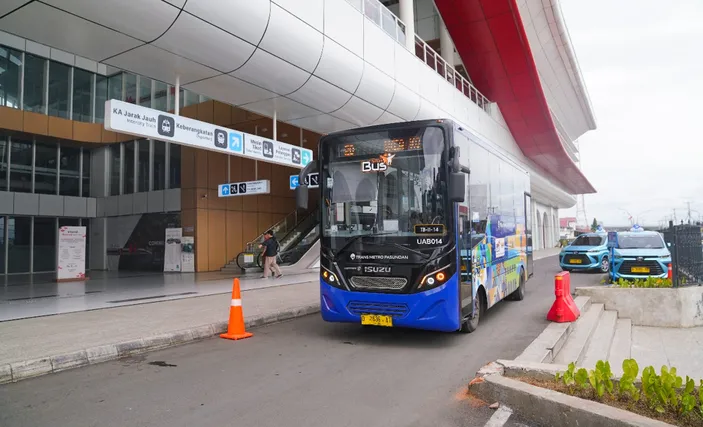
377,320
640,269
575,261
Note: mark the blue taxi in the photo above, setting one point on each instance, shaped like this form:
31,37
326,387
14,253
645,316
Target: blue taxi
588,251
640,254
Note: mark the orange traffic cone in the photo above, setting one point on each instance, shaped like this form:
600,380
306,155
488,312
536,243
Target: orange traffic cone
235,328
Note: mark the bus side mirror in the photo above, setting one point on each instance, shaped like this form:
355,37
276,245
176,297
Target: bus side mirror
457,187
301,196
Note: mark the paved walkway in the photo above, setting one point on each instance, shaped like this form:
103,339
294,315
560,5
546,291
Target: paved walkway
677,347
42,337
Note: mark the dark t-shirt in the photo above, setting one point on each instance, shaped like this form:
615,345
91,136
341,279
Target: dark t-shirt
271,247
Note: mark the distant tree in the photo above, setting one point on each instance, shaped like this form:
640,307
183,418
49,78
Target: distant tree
594,225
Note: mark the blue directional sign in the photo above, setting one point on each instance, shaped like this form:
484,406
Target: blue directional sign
293,182
312,180
307,157
236,143
244,188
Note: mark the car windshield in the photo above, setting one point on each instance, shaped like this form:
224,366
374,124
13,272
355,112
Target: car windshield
584,240
384,183
642,241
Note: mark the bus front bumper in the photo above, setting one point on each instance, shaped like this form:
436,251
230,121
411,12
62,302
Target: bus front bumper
436,309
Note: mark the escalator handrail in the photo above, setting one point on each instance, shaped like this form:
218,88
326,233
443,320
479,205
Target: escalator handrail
302,221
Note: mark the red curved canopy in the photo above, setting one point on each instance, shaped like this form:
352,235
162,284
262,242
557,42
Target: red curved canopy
491,40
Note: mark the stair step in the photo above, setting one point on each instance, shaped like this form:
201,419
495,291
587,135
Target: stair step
621,348
583,303
574,349
599,347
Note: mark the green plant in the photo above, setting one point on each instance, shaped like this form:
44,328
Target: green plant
627,387
581,378
601,379
567,377
649,282
688,400
661,391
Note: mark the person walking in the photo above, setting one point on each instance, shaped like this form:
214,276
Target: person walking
271,247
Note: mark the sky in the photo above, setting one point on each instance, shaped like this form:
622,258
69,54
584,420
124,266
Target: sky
642,61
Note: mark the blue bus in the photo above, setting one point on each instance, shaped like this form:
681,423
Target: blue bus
423,225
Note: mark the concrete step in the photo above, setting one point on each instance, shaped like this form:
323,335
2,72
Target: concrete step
575,346
550,342
583,303
621,347
599,347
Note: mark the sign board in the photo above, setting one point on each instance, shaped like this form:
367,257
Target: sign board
612,239
312,180
244,188
172,249
145,122
71,254
188,254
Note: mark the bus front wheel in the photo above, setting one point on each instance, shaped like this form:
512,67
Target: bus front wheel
471,324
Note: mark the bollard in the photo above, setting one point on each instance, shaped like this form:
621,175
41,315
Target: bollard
564,308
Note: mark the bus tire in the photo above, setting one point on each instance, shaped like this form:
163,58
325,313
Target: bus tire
471,324
519,293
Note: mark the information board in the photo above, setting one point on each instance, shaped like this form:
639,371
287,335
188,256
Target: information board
312,180
145,122
71,254
187,254
244,188
172,249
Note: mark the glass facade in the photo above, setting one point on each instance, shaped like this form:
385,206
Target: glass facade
139,166
128,168
115,172
10,77
60,90
159,165
43,167
45,230
34,83
19,244
82,95
143,165
174,173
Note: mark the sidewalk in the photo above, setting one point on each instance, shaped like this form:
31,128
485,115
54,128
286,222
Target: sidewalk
41,345
546,253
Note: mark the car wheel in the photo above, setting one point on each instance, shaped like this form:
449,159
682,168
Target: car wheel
471,324
519,293
605,265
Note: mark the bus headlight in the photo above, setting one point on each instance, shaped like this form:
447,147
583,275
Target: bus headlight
435,278
329,277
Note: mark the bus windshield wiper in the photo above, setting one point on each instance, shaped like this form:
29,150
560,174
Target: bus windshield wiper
355,238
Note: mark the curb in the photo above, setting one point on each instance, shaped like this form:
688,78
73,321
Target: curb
18,371
548,407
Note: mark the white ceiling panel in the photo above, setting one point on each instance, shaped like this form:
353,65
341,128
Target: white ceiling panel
274,74
161,65
358,112
117,15
204,43
379,48
428,111
245,19
292,39
345,25
407,67
7,6
387,118
61,30
405,103
339,66
286,109
319,94
228,89
309,11
323,123
375,87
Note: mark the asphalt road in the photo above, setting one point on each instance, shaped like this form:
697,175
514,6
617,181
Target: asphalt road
299,373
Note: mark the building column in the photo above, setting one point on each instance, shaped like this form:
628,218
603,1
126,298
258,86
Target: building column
407,15
446,46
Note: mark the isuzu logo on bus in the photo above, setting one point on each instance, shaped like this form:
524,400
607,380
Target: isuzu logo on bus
378,165
376,269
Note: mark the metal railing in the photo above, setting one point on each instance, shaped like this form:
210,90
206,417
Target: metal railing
686,246
394,27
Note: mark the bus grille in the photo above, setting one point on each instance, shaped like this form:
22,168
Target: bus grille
655,268
377,283
390,309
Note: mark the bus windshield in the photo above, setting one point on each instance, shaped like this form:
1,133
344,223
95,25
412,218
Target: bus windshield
382,185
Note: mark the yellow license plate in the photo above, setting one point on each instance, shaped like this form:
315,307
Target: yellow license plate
377,320
640,269
575,261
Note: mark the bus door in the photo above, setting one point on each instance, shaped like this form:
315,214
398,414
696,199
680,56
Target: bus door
528,232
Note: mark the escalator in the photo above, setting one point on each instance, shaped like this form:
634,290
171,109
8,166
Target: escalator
298,244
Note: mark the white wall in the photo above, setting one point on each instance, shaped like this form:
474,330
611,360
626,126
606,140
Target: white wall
545,234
